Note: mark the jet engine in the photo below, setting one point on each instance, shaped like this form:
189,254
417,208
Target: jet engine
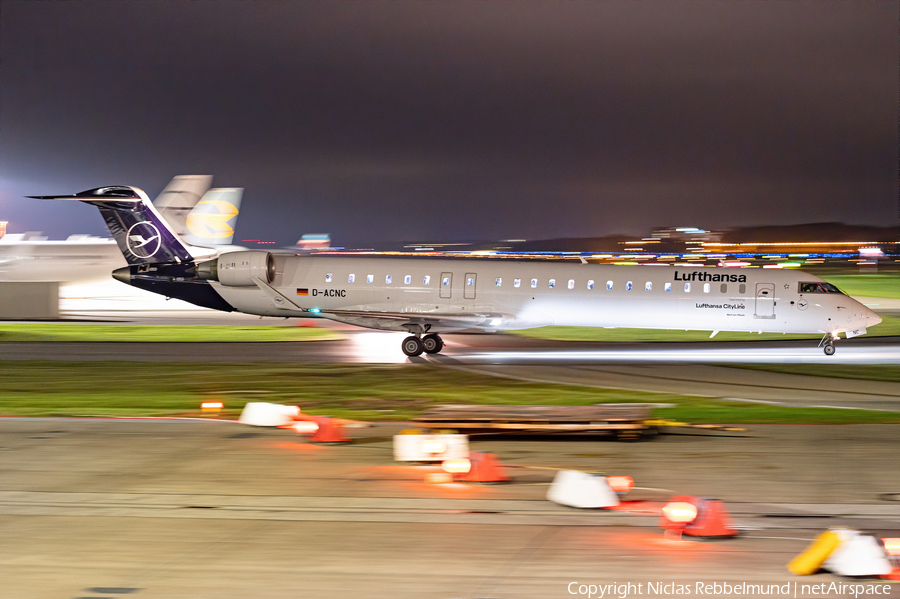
238,269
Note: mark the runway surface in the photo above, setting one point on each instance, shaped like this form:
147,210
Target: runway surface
161,508
703,369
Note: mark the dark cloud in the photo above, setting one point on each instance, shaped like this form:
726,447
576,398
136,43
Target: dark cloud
457,120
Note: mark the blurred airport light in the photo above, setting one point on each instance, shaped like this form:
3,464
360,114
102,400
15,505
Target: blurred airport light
305,427
433,447
892,546
460,466
679,512
620,484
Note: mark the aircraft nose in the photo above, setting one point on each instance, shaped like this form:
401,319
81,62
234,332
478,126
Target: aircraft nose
872,318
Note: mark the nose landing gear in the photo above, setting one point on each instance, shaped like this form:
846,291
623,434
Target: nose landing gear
827,343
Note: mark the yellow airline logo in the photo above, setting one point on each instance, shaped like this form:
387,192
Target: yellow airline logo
211,221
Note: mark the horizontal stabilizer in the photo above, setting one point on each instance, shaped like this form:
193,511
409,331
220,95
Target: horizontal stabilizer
100,194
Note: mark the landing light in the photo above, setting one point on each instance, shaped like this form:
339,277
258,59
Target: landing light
680,512
315,310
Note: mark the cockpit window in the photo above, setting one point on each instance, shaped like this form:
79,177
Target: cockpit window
818,287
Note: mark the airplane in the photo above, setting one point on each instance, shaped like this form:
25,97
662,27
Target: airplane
426,297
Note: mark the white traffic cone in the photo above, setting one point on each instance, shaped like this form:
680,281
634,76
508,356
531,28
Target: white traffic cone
857,555
580,489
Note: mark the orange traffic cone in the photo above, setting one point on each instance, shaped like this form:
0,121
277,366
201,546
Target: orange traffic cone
329,431
486,468
712,520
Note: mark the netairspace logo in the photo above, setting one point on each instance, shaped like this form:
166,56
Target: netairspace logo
724,589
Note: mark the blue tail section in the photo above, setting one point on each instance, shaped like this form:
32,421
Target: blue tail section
142,234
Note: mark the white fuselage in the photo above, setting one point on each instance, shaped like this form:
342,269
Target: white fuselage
495,294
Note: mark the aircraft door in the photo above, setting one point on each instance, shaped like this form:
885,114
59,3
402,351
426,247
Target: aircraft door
469,289
446,284
765,300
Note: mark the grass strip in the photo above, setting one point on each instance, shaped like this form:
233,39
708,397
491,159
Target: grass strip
874,372
160,333
883,285
371,392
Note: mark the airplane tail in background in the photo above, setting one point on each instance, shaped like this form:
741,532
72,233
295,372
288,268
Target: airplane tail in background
199,215
179,198
211,222
143,235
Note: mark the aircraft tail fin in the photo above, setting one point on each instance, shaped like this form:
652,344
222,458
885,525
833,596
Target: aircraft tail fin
211,222
143,235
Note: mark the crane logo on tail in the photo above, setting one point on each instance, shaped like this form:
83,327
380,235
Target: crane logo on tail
143,239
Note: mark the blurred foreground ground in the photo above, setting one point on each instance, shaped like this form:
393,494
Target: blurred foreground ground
157,508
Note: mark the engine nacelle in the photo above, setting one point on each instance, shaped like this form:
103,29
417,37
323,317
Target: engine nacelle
237,269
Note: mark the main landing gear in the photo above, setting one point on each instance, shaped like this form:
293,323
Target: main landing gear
827,343
429,344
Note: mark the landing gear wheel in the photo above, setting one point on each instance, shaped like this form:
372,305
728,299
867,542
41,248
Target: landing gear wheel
433,344
413,346
829,349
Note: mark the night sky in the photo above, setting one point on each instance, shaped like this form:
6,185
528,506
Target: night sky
393,121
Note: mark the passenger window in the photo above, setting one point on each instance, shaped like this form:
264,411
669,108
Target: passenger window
498,281
609,284
687,287
517,282
427,280
723,288
533,283
388,279
742,288
705,287
328,277
668,287
470,281
370,278
351,278
648,286
446,282
628,286
591,284
571,283
407,279
552,283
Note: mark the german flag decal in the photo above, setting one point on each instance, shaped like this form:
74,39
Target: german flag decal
303,292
